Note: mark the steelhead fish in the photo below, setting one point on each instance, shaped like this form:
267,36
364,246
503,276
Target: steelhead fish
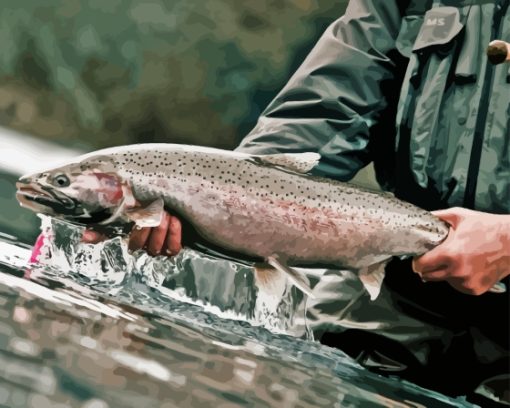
263,209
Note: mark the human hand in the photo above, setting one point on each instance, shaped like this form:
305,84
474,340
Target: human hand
164,239
474,256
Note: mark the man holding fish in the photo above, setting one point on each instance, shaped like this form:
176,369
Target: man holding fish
407,85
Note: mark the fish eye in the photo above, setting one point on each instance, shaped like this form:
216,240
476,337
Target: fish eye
61,180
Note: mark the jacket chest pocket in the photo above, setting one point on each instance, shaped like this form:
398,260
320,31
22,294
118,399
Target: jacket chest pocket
431,42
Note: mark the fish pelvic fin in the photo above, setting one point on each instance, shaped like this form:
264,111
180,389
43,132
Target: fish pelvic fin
296,277
269,279
372,278
298,162
148,216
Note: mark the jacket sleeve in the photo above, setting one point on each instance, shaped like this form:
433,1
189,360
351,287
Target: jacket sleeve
333,100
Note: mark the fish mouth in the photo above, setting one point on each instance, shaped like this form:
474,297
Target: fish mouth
40,198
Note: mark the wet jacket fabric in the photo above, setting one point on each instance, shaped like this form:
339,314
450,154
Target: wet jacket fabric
405,84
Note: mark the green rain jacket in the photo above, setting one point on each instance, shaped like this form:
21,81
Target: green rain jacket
407,85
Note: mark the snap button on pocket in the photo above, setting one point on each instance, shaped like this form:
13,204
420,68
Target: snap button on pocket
440,26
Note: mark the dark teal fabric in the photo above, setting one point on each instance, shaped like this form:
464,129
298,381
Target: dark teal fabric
403,84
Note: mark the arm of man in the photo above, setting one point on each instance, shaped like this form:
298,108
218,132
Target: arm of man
328,106
475,255
346,85
162,240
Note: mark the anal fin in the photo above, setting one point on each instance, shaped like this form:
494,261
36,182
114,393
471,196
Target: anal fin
372,278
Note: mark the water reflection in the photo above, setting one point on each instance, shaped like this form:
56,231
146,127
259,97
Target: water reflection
66,343
219,286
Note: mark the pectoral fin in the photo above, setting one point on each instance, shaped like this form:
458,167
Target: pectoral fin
296,277
148,216
372,278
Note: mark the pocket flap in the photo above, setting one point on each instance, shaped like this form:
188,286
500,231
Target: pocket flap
408,33
440,26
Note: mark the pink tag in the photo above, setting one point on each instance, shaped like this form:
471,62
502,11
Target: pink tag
36,251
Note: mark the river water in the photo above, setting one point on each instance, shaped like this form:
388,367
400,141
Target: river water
97,327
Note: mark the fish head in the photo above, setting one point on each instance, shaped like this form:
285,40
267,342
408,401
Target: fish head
84,191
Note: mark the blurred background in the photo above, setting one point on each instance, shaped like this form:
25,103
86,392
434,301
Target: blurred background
80,75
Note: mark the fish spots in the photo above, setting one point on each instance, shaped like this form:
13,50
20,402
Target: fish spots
217,171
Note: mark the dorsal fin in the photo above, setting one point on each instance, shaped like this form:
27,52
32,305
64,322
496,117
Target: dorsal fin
298,162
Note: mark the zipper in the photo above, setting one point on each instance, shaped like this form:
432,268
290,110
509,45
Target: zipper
481,120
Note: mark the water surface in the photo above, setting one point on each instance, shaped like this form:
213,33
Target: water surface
109,338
